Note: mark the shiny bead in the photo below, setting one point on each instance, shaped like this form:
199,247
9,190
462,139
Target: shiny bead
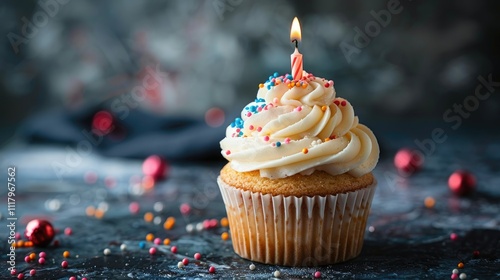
40,232
461,182
32,256
197,256
155,166
211,269
64,264
148,217
150,237
224,222
251,266
408,161
185,261
169,223
305,151
224,236
152,251
317,274
66,254
173,249
106,252
277,274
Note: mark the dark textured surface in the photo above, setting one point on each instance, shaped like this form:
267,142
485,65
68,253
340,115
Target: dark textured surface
407,240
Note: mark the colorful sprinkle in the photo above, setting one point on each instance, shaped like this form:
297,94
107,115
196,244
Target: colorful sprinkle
305,151
20,276
323,108
123,247
224,236
33,272
278,144
185,208
180,265
460,265
185,261
148,217
150,237
261,85
453,236
336,102
32,256
287,140
228,152
157,241
68,231
166,241
259,129
277,274
266,138
142,244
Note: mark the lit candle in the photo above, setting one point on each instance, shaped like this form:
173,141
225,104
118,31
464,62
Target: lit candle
296,57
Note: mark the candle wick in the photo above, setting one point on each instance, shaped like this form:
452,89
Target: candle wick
296,43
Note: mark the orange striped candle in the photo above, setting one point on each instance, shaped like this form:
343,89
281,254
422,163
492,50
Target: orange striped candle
296,57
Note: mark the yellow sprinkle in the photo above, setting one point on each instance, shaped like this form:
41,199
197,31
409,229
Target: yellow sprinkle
261,85
90,210
304,85
277,82
327,139
292,84
297,84
429,202
323,108
66,254
150,237
305,151
224,236
148,217
169,223
224,222
166,241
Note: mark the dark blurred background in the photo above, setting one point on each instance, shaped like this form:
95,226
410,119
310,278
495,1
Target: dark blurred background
204,59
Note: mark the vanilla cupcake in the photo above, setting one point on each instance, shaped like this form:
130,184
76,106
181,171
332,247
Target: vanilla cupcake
298,186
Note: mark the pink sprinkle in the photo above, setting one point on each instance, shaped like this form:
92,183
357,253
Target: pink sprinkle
42,255
287,140
173,249
20,276
41,261
33,272
275,100
453,236
327,85
197,256
157,241
68,231
185,261
251,127
330,82
259,129
185,209
228,152
238,130
211,269
249,114
270,105
152,250
134,207
64,264
259,109
317,274
299,108
266,138
273,144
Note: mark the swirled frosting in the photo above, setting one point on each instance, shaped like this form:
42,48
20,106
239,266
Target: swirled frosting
299,127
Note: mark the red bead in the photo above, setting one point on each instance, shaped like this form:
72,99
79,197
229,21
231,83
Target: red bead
64,264
40,232
408,161
155,166
27,259
20,276
33,272
197,256
343,103
72,278
68,231
317,274
185,261
453,236
461,182
41,261
13,271
102,123
173,249
211,269
152,250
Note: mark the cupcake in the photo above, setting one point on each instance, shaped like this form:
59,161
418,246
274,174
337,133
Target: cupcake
298,186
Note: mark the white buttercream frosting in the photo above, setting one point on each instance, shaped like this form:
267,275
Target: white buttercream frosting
292,129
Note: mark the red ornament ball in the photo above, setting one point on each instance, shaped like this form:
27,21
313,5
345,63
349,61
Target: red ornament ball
102,123
408,161
40,232
462,182
155,166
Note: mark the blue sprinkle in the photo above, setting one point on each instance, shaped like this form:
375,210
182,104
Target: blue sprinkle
290,77
275,74
278,144
233,124
272,84
268,87
270,78
142,244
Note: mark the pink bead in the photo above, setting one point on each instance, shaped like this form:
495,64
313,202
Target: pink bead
90,177
27,259
185,261
152,250
68,231
42,255
407,161
317,274
275,100
157,241
155,166
249,114
287,140
453,236
213,223
251,127
454,276
174,249
33,272
259,129
72,278
41,261
64,264
20,276
134,207
266,138
197,256
211,269
330,82
18,235
185,209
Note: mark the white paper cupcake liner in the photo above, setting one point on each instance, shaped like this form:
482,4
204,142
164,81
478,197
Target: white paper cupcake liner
297,231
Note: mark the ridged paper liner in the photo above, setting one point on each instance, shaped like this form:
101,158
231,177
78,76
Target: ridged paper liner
297,231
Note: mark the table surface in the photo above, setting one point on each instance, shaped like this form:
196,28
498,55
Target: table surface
404,239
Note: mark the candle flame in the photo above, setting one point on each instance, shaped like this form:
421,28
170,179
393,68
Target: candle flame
295,33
